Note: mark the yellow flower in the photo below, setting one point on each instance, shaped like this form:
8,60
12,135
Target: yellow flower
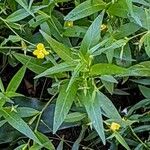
103,27
68,24
40,52
114,126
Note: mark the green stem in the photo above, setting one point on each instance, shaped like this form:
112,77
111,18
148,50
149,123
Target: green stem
10,47
43,89
137,35
138,138
15,32
40,114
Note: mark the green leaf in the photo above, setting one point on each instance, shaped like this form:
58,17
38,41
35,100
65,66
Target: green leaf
15,121
74,117
121,140
142,81
143,2
108,107
75,73
2,122
92,35
142,128
132,13
123,56
110,55
26,111
92,135
142,40
16,80
141,69
20,147
139,105
22,13
145,91
12,38
60,146
147,19
106,69
63,104
11,94
147,44
62,51
53,27
76,144
108,78
139,146
123,32
75,31
119,9
85,9
56,28
92,105
120,92
32,63
113,46
45,141
35,146
38,20
109,86
1,86
99,45
62,67
24,4
143,16
3,99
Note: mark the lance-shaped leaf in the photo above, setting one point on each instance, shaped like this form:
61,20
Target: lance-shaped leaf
24,4
75,74
61,50
108,107
132,13
121,140
20,14
45,141
85,9
1,86
62,67
63,104
106,69
115,45
143,2
147,44
141,69
145,91
92,106
32,63
15,121
76,144
92,35
16,80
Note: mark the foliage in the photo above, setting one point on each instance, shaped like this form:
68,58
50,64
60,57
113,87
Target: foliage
93,52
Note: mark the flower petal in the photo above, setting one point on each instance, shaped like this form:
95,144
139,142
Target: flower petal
40,55
40,46
35,52
45,52
115,126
